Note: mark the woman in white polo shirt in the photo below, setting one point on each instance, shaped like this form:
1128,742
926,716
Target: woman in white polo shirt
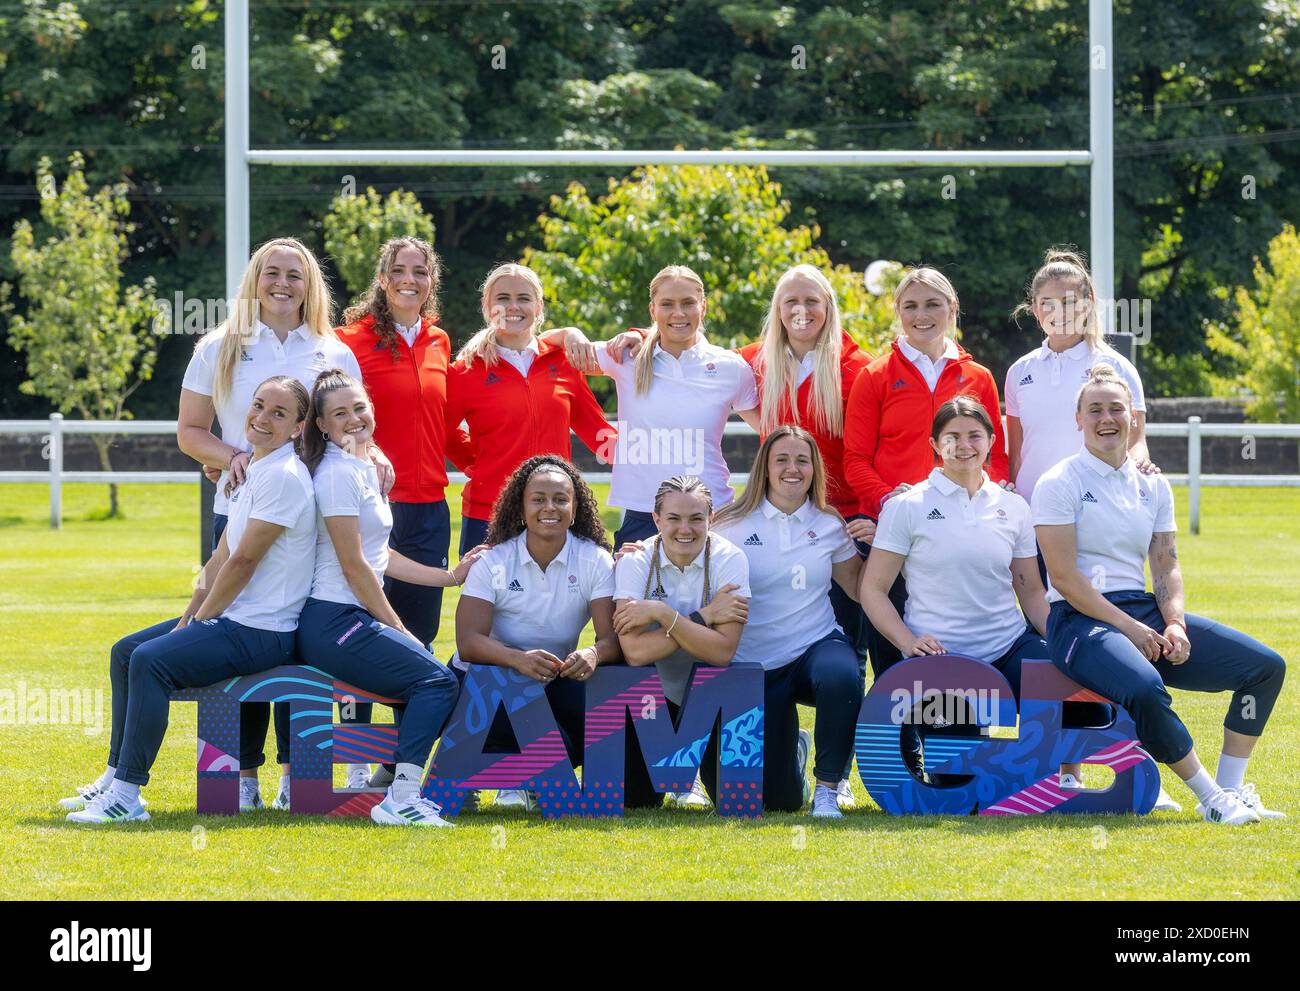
673,402
279,324
797,546
662,590
348,627
1042,385
965,548
1100,522
527,600
241,617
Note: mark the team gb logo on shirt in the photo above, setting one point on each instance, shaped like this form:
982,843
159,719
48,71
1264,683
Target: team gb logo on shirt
573,583
710,369
1002,514
318,359
812,536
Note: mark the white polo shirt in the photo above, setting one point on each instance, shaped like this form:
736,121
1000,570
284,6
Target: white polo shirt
534,609
683,589
1041,389
958,551
930,370
277,489
348,486
302,355
676,427
790,560
1115,512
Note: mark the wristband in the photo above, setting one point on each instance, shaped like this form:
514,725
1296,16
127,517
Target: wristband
697,617
676,616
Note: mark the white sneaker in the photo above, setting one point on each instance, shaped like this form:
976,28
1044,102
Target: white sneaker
825,803
382,777
282,800
514,798
696,798
358,776
420,812
85,794
1249,796
801,751
844,796
1165,803
107,809
250,795
1226,808
1068,782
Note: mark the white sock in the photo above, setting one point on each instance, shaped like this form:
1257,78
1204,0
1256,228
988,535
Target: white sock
284,783
1232,771
405,788
125,792
248,784
106,778
1203,785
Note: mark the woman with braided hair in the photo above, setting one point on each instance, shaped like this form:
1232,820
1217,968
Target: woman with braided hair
527,600
680,598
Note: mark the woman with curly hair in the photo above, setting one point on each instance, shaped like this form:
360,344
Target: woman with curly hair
403,356
527,600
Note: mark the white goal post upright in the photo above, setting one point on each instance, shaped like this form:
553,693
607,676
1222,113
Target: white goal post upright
1099,157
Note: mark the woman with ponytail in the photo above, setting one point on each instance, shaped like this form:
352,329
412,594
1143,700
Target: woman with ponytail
349,628
518,394
278,324
241,617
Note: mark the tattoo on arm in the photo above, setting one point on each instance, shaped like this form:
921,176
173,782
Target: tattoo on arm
1161,591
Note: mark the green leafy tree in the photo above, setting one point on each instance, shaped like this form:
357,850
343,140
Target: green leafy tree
1266,343
357,227
89,342
728,224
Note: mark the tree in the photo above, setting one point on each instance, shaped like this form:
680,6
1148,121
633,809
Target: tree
1266,345
726,223
357,227
89,342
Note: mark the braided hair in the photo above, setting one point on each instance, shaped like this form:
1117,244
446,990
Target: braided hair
685,484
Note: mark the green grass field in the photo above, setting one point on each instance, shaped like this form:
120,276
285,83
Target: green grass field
66,596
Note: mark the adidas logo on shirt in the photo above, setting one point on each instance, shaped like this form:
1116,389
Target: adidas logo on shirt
491,379
753,541
899,384
1089,497
935,515
1027,380
514,585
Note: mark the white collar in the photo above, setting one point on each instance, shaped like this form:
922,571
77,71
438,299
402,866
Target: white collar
948,487
530,346
696,350
1101,468
806,361
696,563
413,329
285,450
524,558
333,450
260,328
914,354
803,514
1075,352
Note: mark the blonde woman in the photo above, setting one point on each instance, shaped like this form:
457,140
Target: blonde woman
279,324
519,395
797,547
673,401
892,405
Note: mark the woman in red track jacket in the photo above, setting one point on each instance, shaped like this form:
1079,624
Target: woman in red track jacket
518,394
892,405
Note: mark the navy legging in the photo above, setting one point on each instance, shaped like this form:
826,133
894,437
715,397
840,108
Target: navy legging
350,644
1100,657
825,675
202,653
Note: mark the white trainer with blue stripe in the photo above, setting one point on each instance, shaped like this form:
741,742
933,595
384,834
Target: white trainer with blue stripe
106,808
420,812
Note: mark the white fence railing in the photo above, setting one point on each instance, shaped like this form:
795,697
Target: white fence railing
56,428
